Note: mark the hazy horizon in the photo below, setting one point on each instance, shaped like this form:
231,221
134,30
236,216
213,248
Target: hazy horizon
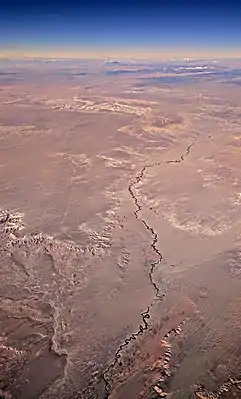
121,30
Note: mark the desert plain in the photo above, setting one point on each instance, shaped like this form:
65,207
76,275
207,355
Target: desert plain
120,230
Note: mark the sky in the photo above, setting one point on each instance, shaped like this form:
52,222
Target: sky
126,29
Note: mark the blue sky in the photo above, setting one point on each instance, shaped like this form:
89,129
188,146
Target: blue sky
143,26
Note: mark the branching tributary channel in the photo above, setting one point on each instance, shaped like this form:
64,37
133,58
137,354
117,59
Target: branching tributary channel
158,295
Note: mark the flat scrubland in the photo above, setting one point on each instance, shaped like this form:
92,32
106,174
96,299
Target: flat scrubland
120,235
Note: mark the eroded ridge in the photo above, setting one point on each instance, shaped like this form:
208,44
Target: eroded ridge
158,294
163,365
225,388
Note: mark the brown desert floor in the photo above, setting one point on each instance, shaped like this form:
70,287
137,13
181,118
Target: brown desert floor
120,229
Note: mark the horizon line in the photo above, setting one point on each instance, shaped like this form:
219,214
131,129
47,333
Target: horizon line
117,58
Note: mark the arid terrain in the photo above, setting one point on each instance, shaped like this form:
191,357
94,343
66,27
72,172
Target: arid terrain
120,230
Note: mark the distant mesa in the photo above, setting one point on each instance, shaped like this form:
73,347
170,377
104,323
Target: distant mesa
112,63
